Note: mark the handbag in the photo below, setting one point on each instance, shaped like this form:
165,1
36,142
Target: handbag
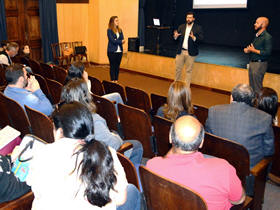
28,145
80,50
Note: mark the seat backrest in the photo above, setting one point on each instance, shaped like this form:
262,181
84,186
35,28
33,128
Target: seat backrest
275,169
22,203
107,110
130,170
35,66
164,194
138,98
4,119
17,116
96,86
161,132
47,71
157,101
44,86
201,113
111,87
136,124
236,154
60,74
2,75
55,89
41,125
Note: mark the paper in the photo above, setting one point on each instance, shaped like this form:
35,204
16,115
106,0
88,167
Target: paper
7,135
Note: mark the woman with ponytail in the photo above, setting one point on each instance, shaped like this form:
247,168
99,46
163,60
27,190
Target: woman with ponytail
76,171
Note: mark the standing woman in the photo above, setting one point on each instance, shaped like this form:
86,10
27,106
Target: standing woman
115,48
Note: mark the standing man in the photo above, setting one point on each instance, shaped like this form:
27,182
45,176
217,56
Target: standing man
188,35
259,51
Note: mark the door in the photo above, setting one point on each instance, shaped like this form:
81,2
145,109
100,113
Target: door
23,24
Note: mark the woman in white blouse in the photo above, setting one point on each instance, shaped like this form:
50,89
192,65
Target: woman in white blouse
76,171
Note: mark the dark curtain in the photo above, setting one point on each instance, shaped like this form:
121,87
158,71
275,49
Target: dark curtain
48,24
141,21
3,27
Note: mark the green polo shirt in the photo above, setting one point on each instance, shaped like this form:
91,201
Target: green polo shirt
263,43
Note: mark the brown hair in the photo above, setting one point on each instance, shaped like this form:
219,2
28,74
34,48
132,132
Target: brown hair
178,100
12,45
112,26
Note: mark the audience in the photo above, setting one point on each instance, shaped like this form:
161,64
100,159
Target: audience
213,178
3,46
77,90
76,171
268,102
11,187
241,122
178,102
26,91
6,55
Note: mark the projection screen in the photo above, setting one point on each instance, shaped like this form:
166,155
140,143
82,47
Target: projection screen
218,4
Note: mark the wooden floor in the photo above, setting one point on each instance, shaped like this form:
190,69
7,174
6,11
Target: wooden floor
200,96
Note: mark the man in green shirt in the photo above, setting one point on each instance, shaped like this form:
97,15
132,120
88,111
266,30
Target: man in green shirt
259,51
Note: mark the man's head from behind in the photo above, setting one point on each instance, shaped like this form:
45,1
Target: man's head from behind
243,93
12,49
16,75
186,134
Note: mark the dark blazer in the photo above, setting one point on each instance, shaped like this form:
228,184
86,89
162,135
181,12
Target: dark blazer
244,124
113,41
192,46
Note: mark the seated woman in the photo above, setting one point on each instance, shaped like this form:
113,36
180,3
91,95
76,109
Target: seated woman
267,101
178,102
77,90
76,171
77,69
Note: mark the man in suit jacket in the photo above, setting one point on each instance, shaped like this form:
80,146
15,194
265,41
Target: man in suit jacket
188,36
241,122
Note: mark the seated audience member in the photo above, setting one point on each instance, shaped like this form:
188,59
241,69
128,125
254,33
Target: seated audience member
11,187
3,46
178,102
268,102
213,178
77,69
76,171
26,91
11,51
77,90
241,122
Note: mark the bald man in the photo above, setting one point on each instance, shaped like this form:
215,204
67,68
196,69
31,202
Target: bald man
213,178
259,51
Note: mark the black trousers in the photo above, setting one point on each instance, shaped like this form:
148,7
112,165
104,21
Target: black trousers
115,61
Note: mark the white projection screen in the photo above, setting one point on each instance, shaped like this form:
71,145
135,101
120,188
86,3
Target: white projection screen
219,4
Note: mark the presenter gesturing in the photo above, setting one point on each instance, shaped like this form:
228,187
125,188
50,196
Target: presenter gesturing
115,47
259,51
188,36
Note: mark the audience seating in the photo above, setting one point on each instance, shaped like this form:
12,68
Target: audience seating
35,66
55,90
157,102
60,74
22,203
238,156
41,125
130,170
161,132
111,87
138,98
57,52
275,169
4,120
17,116
96,86
136,124
47,71
107,110
201,113
44,86
3,81
164,194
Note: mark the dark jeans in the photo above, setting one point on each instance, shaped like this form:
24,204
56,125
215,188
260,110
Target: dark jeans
115,61
256,75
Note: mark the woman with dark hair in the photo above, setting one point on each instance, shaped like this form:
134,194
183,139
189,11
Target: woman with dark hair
76,90
115,47
267,101
76,171
178,102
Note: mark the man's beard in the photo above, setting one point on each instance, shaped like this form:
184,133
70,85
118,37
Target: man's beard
189,23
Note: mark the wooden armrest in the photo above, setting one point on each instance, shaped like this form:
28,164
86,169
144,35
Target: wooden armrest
114,102
262,165
126,146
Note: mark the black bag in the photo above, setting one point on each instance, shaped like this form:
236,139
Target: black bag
80,50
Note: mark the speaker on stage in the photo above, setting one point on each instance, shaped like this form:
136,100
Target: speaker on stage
133,44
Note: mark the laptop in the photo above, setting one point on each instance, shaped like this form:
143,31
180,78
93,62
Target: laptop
156,21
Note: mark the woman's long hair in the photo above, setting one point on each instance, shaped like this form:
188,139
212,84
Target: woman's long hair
178,100
111,25
75,70
77,90
96,169
267,101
